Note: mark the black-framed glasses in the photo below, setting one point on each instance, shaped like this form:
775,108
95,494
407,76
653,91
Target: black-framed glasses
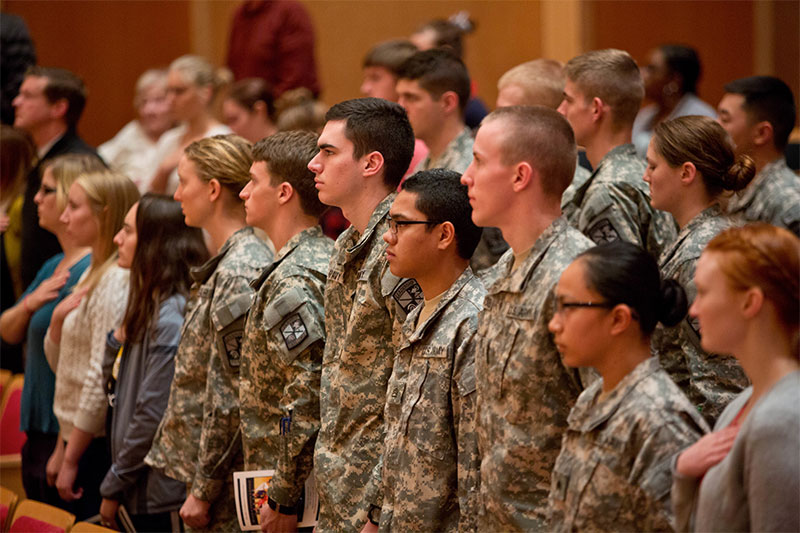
560,305
45,190
395,224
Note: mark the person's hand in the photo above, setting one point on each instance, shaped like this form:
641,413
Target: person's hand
369,527
68,304
46,291
194,512
119,335
695,460
275,522
108,513
54,463
66,480
4,221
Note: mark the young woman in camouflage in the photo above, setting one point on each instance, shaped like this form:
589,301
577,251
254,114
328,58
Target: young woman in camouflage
613,472
747,304
197,441
690,165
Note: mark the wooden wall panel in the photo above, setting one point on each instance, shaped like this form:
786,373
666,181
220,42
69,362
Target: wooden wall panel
722,32
109,44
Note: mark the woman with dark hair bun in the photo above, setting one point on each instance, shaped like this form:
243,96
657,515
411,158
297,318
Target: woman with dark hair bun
690,165
748,305
613,471
158,248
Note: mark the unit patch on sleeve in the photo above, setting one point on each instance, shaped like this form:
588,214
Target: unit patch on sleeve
408,295
233,347
294,331
603,232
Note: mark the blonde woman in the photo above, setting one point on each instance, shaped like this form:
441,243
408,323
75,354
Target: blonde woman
75,342
192,84
196,441
29,318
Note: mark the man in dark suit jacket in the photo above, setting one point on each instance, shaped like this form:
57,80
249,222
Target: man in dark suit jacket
48,107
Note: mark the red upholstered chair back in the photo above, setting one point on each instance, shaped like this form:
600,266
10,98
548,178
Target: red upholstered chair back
13,438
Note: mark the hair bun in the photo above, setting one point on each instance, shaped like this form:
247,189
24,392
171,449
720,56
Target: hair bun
740,173
673,303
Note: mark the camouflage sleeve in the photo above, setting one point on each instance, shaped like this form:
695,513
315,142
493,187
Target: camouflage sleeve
220,441
612,215
464,400
652,470
297,333
714,379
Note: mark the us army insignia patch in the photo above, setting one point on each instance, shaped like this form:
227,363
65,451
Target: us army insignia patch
233,347
294,331
408,295
603,232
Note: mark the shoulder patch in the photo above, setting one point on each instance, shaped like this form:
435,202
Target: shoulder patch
408,295
602,232
232,343
293,331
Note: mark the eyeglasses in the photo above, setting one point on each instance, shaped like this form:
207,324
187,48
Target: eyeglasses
559,305
395,224
45,190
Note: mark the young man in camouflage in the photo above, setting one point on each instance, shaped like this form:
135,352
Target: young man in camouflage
284,335
759,114
430,461
539,82
364,150
434,88
602,95
524,160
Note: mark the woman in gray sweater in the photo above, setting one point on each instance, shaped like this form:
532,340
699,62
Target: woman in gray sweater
158,248
745,476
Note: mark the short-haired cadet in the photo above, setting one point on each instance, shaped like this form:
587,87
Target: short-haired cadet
539,82
364,150
284,334
524,159
759,113
431,466
602,95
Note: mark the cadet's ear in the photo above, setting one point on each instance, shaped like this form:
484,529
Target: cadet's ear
372,163
285,192
447,235
523,176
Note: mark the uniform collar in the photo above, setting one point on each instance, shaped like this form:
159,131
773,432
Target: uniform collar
587,415
413,332
202,273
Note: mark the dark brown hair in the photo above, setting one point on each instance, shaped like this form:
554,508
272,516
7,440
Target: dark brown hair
165,251
705,144
287,154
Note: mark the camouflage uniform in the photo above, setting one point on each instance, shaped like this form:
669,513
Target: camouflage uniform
281,364
524,390
773,196
364,307
614,204
431,467
580,177
197,440
710,381
613,472
456,157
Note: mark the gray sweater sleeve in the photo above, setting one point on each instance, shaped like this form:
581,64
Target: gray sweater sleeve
157,354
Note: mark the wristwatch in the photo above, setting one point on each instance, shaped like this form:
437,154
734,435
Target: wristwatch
374,514
288,510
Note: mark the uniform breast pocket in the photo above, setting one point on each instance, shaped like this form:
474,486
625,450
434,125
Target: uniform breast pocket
430,419
603,498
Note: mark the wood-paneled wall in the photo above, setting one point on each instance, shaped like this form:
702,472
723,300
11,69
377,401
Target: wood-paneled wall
110,42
